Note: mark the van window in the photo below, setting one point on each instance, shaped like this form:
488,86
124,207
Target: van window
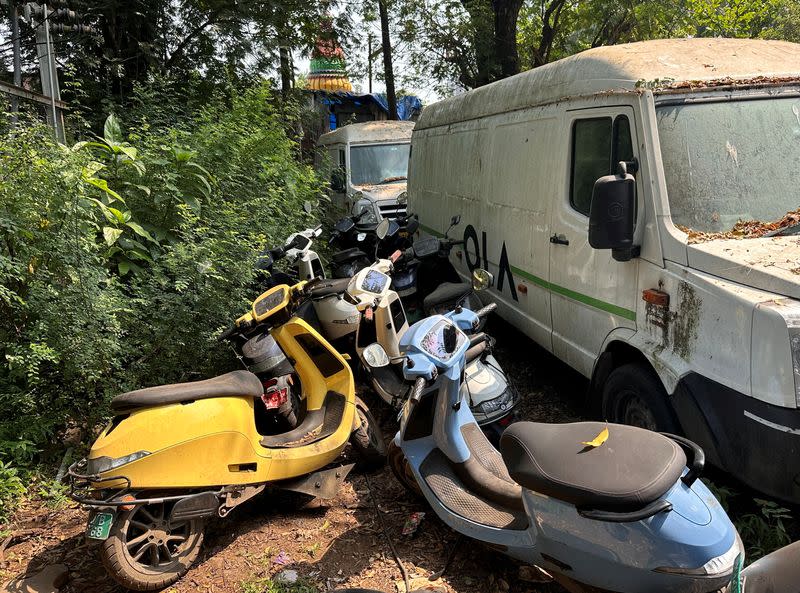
598,144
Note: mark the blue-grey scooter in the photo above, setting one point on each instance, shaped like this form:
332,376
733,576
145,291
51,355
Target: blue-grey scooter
627,515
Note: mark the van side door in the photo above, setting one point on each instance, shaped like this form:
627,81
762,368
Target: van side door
591,294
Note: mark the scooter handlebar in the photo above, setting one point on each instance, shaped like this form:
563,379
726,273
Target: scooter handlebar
416,391
227,333
484,311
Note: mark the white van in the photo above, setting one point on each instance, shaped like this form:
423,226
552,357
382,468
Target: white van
368,167
678,329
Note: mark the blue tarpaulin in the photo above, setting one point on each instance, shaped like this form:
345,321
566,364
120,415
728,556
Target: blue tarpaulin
407,105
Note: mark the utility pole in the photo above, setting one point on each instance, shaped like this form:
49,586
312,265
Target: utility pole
369,59
391,99
17,59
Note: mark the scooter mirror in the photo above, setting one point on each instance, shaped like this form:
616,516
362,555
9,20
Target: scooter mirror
382,229
455,220
307,207
481,279
375,356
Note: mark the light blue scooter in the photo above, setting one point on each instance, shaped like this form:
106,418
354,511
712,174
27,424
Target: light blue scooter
627,516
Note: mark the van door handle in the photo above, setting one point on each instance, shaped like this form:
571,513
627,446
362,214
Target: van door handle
559,239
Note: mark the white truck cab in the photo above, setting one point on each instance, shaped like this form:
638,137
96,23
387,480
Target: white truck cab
368,166
684,319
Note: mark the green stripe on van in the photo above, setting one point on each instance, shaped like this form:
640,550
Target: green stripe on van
563,291
577,296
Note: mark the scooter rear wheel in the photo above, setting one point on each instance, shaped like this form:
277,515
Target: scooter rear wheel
402,470
147,552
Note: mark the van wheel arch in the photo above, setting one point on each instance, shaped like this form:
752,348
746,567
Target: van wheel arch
640,371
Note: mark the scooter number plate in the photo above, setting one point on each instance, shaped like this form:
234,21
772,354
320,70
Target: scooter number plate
99,525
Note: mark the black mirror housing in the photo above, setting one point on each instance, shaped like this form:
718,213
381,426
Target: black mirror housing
611,214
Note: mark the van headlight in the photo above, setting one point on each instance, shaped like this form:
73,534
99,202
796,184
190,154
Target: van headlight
100,465
369,217
775,352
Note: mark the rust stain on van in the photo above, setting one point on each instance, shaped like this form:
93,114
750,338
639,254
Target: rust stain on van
686,320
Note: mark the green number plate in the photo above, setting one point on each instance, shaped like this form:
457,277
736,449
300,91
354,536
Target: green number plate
99,525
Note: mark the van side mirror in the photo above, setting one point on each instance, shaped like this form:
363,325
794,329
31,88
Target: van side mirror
611,214
338,180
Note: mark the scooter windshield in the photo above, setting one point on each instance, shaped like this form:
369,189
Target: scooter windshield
374,282
434,343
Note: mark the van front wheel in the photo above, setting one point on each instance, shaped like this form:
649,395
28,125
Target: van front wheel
633,395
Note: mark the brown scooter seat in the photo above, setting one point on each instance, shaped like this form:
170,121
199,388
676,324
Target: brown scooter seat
236,383
633,468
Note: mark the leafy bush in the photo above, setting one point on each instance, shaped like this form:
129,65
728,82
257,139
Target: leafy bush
122,257
11,488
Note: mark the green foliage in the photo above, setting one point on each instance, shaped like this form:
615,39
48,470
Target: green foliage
267,585
122,257
11,489
765,530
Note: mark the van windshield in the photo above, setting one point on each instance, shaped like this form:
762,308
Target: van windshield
378,163
730,160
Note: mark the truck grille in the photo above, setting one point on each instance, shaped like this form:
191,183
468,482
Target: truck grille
392,210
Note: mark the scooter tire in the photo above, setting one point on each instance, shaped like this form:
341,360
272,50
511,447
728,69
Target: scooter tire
367,440
122,566
401,470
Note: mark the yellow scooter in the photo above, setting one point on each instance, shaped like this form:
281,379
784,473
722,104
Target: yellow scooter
174,455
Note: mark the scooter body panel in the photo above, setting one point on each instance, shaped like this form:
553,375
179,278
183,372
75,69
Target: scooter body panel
337,317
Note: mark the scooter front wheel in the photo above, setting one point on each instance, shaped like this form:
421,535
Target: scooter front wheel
367,439
145,551
402,470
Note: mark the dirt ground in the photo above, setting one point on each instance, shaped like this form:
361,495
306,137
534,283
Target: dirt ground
331,544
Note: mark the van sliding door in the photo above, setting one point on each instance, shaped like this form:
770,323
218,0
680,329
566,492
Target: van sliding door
591,294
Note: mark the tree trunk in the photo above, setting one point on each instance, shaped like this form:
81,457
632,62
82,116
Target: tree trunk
286,71
388,73
506,14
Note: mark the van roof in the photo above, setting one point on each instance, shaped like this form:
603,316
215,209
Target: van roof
659,64
371,131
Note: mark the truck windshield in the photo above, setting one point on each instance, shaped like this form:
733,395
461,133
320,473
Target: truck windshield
378,163
730,160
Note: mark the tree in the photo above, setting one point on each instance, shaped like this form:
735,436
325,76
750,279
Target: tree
388,71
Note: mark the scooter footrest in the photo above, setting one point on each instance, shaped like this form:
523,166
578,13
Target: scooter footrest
317,425
449,489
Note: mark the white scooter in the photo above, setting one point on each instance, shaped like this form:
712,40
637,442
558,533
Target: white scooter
303,262
382,319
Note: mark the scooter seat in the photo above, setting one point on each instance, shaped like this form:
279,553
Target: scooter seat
631,469
236,383
445,293
325,288
347,255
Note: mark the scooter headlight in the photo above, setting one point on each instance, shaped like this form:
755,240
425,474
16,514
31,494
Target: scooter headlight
717,566
100,465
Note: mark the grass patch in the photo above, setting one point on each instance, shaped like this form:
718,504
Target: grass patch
269,585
